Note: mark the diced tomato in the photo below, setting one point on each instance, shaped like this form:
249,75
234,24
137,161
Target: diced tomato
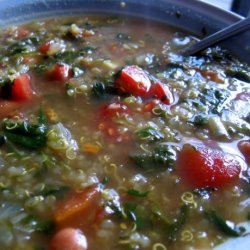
60,73
133,80
6,107
114,109
21,89
148,107
161,92
108,126
78,209
244,147
44,48
201,167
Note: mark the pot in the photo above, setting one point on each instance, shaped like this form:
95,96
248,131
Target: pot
195,17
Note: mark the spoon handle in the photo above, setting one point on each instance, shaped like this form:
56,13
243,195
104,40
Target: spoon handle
217,37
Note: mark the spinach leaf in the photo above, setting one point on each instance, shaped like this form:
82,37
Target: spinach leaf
149,133
178,223
199,120
102,90
42,226
27,141
162,157
239,73
160,215
26,45
227,227
137,193
58,192
28,134
215,99
99,90
137,213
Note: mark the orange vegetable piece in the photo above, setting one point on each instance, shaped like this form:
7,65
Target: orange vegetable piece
78,209
91,148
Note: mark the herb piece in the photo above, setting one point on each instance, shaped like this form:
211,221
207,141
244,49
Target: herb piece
123,37
200,120
105,180
26,45
215,99
137,213
58,192
46,227
149,133
163,156
27,134
178,223
227,227
98,90
160,215
137,193
102,90
239,73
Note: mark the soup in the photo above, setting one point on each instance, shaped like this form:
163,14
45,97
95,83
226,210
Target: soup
110,139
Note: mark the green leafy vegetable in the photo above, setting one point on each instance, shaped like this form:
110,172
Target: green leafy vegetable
149,133
239,73
137,213
137,193
103,89
99,90
26,45
215,99
28,134
42,226
163,156
58,192
178,223
227,227
160,215
200,120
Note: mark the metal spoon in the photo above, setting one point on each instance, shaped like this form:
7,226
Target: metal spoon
217,37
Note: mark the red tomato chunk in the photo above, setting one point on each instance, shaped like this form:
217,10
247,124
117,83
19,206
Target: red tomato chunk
60,73
133,80
203,167
21,89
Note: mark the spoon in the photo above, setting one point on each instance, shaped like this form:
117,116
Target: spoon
217,37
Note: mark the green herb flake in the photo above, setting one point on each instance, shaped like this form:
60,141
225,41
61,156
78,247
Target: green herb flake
227,227
137,193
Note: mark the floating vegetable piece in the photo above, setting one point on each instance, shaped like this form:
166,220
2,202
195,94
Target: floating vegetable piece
227,227
202,167
133,80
